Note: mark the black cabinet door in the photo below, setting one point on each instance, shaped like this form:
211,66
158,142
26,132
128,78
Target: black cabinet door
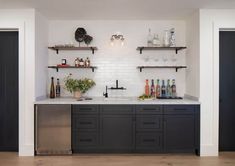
117,133
179,133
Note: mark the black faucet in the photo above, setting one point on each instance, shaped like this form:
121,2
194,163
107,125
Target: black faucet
117,88
106,92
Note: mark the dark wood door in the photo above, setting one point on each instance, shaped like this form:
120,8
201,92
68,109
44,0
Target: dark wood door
179,133
9,91
117,133
227,91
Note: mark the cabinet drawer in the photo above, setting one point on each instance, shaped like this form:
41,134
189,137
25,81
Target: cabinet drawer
85,109
84,139
148,109
153,122
117,109
148,141
85,122
179,109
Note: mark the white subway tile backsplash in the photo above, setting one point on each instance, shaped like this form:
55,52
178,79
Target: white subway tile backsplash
118,62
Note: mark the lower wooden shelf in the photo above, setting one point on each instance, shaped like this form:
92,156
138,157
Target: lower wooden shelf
157,67
72,67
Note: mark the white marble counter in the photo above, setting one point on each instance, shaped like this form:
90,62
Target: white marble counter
126,100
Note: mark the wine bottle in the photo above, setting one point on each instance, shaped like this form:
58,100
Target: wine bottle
158,89
152,89
57,89
147,87
52,90
173,88
163,88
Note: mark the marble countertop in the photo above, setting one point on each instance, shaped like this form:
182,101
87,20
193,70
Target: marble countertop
116,100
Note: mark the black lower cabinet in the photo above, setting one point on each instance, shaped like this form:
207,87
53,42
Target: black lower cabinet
117,133
117,128
181,126
85,128
140,129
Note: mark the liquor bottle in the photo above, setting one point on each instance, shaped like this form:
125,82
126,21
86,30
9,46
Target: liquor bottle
173,88
150,39
152,89
172,37
52,90
147,87
163,88
81,63
158,89
168,89
57,88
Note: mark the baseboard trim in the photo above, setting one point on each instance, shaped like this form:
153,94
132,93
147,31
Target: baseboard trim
209,150
26,150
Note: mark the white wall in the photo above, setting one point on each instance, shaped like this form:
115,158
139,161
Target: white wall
210,22
41,55
192,55
25,19
118,62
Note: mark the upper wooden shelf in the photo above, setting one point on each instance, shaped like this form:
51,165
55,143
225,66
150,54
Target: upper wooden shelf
73,48
160,48
72,67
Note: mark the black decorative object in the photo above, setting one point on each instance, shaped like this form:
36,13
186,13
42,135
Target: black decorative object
81,35
88,39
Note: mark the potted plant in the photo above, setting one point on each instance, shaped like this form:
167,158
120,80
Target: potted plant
78,86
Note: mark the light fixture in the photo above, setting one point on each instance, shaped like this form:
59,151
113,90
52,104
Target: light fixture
117,37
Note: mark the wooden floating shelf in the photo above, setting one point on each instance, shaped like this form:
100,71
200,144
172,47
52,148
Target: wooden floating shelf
157,67
57,49
160,48
72,67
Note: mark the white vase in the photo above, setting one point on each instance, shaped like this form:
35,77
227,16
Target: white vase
77,94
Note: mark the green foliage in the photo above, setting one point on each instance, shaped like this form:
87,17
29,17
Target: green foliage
83,85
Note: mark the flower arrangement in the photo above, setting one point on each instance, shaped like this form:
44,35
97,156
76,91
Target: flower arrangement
81,85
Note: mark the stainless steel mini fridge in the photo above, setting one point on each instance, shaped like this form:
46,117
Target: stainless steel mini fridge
52,129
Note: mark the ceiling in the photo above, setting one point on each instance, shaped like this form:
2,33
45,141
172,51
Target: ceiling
117,9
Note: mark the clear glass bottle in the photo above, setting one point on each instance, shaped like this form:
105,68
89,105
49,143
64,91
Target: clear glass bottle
172,37
150,39
173,88
166,42
57,89
156,41
168,89
158,89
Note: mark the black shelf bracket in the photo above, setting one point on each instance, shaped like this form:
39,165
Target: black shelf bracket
93,50
141,50
140,69
57,69
57,51
93,69
176,52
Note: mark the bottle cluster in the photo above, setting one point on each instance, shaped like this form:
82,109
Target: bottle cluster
79,62
54,90
159,90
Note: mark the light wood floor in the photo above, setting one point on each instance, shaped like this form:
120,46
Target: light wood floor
11,159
